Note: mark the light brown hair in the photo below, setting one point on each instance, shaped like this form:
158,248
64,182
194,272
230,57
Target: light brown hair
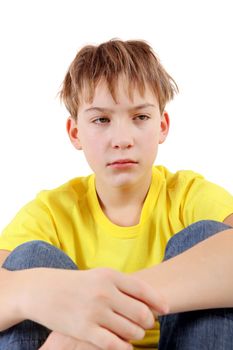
135,59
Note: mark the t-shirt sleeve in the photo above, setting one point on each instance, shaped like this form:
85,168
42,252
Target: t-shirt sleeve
204,200
33,222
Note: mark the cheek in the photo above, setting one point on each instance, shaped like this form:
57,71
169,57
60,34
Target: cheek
150,144
88,140
93,151
151,138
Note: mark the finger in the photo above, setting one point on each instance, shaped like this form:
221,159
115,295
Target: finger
134,310
122,327
83,345
142,291
107,340
59,341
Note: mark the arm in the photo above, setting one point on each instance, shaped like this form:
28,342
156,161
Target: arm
9,291
102,306
199,278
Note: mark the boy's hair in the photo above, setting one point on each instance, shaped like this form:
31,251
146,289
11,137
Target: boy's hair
134,59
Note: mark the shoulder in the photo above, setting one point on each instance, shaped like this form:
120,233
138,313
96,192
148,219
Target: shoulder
177,179
72,191
190,186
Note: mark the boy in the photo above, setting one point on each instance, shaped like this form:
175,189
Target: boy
114,225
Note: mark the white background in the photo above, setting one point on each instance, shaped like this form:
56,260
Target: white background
40,38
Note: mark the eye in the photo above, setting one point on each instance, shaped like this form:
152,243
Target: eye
142,117
101,120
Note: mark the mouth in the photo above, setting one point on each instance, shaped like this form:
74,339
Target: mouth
122,162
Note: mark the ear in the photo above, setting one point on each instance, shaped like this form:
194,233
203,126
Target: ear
164,127
72,130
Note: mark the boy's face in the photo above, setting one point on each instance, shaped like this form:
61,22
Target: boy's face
120,140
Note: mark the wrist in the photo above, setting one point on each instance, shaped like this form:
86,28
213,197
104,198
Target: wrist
28,289
20,300
11,308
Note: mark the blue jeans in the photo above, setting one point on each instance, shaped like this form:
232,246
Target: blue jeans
195,330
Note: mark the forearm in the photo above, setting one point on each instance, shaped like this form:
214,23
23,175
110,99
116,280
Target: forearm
200,278
20,293
11,283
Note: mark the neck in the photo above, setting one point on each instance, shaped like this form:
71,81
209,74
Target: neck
115,198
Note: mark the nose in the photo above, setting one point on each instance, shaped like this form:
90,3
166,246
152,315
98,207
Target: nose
122,138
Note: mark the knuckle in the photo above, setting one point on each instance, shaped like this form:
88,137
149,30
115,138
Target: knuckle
101,276
141,289
110,345
101,339
135,333
105,271
144,288
115,345
107,341
85,346
144,316
102,298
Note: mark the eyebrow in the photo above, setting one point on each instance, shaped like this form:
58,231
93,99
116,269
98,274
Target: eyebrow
104,109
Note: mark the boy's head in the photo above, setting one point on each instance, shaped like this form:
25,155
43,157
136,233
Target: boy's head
116,94
133,59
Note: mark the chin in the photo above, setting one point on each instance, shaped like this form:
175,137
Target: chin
124,182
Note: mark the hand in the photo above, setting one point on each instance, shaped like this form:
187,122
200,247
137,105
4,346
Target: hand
58,341
104,307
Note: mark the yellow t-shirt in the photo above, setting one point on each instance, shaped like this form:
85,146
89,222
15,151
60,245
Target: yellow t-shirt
70,218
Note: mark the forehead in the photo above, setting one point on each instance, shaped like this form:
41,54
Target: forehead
124,94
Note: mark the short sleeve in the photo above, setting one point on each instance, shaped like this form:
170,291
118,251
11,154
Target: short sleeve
204,200
33,222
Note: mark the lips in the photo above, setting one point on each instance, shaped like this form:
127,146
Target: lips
123,161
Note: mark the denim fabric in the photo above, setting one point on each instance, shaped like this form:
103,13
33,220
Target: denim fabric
199,330
29,335
196,330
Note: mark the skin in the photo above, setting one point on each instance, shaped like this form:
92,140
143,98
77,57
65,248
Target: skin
124,134
120,308
121,135
117,131
128,129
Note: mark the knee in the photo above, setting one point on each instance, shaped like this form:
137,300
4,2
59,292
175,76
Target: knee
37,254
192,235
